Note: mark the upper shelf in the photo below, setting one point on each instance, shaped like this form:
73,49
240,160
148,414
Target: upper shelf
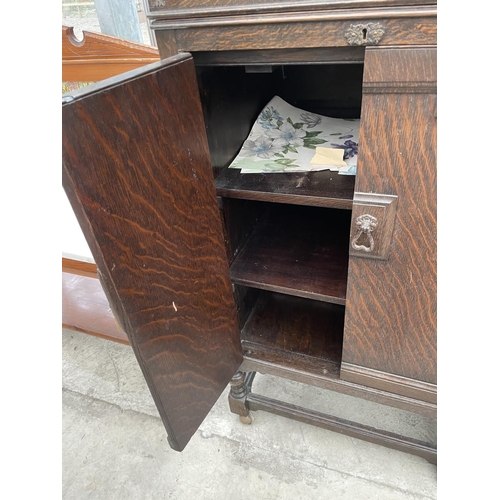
319,189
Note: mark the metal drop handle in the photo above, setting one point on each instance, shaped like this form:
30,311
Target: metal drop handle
365,224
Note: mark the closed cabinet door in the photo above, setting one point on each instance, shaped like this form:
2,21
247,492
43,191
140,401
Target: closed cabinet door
390,323
136,169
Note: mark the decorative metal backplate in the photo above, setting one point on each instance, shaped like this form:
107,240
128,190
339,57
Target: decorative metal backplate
373,217
365,34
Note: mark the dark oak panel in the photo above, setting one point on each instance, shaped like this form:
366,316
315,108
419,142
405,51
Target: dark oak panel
320,189
295,327
301,251
390,67
325,374
136,169
390,321
301,34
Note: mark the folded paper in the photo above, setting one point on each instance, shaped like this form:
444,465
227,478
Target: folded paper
286,139
329,156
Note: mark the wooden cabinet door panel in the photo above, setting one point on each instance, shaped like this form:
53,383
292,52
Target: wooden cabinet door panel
136,169
390,324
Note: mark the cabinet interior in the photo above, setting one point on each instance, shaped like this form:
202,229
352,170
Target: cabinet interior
287,235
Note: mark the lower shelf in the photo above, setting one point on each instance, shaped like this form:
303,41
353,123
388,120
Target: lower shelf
295,331
296,250
86,309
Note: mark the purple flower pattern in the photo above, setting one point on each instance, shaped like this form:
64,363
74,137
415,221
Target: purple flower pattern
282,140
350,148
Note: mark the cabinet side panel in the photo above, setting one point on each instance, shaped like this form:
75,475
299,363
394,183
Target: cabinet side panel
137,172
390,324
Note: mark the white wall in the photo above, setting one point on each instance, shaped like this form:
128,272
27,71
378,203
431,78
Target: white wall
74,244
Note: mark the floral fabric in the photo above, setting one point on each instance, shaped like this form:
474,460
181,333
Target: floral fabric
284,139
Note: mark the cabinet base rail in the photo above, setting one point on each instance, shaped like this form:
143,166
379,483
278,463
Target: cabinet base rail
242,401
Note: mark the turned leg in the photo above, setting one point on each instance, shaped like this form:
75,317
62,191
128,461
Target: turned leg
241,385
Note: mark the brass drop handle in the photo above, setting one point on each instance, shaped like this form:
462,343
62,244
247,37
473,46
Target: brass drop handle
365,224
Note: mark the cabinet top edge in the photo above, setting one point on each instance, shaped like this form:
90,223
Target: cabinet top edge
190,19
182,9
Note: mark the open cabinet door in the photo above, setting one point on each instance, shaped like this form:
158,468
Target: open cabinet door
136,169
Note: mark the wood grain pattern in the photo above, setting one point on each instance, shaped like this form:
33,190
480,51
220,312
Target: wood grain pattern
196,8
137,172
300,34
99,56
417,389
296,250
391,305
325,374
319,189
388,66
295,326
393,71
166,42
79,267
86,309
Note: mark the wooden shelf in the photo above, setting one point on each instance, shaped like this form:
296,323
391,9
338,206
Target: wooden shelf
294,331
319,189
301,251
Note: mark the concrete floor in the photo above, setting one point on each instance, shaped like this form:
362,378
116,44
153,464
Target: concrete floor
115,446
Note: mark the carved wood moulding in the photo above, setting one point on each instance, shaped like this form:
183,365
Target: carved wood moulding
390,70
390,382
99,56
165,19
187,9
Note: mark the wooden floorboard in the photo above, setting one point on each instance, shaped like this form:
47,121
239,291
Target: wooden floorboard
85,308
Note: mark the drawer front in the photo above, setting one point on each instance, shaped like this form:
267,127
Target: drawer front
223,26
296,35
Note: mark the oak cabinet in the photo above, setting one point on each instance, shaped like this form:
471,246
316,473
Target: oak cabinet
215,275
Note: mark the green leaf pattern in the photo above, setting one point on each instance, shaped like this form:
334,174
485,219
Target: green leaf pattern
284,139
